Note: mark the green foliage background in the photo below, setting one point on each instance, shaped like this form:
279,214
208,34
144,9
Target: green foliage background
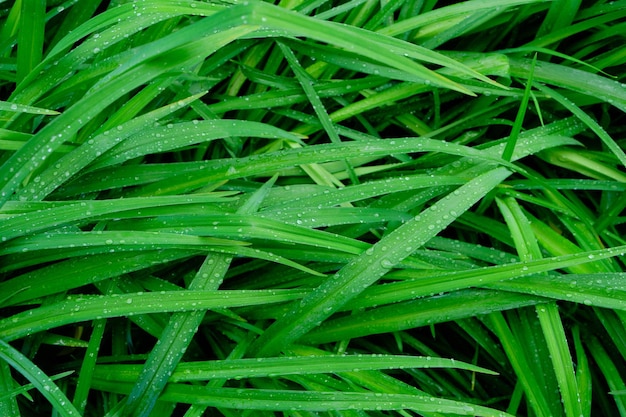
312,208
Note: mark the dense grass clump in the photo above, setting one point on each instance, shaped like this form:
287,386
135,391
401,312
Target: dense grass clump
312,208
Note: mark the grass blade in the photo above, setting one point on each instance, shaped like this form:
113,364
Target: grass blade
376,261
519,119
38,378
30,36
561,358
294,401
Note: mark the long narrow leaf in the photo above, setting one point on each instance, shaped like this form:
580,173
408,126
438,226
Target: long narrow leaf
371,265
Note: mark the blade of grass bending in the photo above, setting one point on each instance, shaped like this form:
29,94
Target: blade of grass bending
284,365
520,228
585,118
83,308
467,24
256,227
55,216
221,169
36,151
584,82
179,135
406,315
75,161
20,108
125,11
112,27
54,278
349,61
420,285
181,328
545,51
383,49
293,401
519,118
103,242
557,244
599,289
449,14
372,264
39,379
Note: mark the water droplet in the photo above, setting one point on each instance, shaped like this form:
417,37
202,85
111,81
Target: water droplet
386,263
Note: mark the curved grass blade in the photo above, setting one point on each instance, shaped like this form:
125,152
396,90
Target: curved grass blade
418,285
107,241
32,155
584,82
38,378
285,365
332,197
54,278
599,289
448,15
294,401
407,315
386,50
109,28
193,175
585,118
362,272
75,309
170,137
55,215
75,161
20,108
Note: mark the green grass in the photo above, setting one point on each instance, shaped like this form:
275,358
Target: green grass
314,208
